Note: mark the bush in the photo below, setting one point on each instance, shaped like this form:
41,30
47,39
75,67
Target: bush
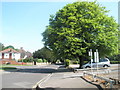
67,62
115,57
75,62
28,59
39,60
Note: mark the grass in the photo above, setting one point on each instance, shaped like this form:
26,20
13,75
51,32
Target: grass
10,67
7,68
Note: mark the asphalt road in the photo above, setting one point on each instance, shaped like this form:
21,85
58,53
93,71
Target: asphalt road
26,77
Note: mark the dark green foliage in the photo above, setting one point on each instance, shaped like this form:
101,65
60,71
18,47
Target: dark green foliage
10,46
115,57
45,53
115,62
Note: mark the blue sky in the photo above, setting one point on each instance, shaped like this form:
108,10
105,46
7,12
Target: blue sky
24,22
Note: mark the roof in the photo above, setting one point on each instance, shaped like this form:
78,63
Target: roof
9,50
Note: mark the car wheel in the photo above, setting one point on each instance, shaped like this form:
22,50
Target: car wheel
105,66
87,67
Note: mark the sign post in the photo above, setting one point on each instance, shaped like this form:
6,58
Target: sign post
97,59
90,54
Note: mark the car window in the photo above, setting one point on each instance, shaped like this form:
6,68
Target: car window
103,60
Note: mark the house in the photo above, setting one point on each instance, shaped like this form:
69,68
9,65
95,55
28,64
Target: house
24,54
10,54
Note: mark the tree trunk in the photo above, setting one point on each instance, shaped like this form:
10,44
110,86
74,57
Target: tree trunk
81,60
34,62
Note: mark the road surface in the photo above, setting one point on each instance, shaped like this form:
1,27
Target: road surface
27,76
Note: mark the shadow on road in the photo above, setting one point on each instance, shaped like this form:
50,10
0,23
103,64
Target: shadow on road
60,68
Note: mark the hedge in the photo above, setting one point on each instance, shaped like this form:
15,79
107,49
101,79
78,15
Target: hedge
115,62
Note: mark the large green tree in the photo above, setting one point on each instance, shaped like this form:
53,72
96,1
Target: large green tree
79,27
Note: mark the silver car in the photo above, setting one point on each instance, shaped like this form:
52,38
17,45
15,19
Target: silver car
105,62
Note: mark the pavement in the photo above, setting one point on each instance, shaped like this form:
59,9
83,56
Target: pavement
69,80
66,79
61,81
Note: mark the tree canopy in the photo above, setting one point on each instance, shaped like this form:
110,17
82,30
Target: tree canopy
10,46
79,27
1,46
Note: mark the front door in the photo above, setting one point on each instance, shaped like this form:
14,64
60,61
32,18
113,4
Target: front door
2,55
10,56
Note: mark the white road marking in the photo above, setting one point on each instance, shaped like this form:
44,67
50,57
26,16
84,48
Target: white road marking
42,80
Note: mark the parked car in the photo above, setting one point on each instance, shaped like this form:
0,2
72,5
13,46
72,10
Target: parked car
105,62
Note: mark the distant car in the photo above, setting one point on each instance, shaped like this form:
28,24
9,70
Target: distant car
7,63
105,62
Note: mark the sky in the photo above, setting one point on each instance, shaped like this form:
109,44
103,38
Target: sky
24,22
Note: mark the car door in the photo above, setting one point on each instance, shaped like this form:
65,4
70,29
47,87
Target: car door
101,63
94,64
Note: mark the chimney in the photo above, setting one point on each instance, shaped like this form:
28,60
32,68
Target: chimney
21,48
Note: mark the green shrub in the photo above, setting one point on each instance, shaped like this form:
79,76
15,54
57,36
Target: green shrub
39,60
67,62
75,62
45,60
28,59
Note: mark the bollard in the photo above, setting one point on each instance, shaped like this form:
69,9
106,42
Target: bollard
84,73
111,84
94,77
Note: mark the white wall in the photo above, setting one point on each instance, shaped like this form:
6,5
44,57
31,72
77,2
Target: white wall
0,55
13,55
6,55
17,56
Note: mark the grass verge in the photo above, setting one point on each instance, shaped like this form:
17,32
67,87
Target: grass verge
8,68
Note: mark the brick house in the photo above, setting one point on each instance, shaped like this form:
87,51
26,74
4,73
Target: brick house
10,54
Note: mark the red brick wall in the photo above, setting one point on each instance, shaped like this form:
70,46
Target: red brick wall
11,62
